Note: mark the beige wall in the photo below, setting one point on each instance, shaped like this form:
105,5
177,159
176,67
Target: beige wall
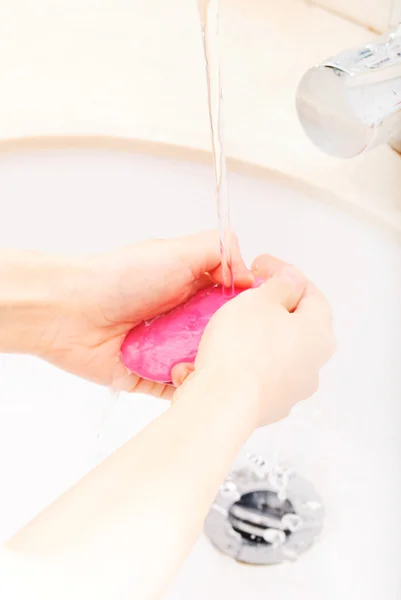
373,13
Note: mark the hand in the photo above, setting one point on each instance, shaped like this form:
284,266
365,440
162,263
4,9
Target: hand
277,337
260,354
98,300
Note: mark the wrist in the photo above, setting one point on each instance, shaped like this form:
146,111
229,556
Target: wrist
34,291
226,405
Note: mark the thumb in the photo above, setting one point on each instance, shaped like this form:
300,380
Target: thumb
180,373
285,288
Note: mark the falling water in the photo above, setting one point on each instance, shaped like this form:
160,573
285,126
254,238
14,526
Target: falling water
209,17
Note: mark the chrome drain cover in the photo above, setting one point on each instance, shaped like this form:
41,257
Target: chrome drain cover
263,515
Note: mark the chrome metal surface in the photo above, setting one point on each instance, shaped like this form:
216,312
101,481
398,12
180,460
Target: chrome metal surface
264,516
352,101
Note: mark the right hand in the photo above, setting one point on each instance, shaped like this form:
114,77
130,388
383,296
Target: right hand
277,336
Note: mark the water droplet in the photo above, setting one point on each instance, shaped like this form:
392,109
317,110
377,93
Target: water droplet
257,465
275,537
290,553
279,479
219,509
291,522
229,489
312,505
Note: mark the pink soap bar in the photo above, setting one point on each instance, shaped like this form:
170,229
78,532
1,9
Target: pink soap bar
152,349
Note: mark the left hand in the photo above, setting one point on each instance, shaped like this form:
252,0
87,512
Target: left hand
98,300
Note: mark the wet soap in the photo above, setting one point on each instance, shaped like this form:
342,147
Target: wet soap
152,349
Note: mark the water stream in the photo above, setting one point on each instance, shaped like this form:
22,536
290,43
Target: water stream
209,18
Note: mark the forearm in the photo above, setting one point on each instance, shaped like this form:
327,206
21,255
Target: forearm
32,285
142,509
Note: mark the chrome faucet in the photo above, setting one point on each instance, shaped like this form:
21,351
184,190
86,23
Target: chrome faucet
352,102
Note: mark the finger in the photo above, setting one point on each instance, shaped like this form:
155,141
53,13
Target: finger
201,253
266,266
150,388
285,289
314,306
125,381
180,373
315,314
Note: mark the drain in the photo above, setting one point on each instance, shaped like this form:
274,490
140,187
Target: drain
264,516
258,517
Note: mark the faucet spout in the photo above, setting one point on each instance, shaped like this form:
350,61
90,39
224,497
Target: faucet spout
352,102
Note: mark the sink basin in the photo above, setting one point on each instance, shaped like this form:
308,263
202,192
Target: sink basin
345,440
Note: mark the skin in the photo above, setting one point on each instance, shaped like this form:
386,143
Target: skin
125,529
84,308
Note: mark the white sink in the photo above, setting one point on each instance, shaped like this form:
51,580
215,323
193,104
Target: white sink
346,440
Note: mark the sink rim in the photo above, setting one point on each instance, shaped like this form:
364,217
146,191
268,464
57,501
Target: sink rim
189,154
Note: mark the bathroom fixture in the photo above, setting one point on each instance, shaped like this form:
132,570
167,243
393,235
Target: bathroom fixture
352,102
264,515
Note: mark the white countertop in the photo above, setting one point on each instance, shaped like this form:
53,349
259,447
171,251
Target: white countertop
370,13
135,71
